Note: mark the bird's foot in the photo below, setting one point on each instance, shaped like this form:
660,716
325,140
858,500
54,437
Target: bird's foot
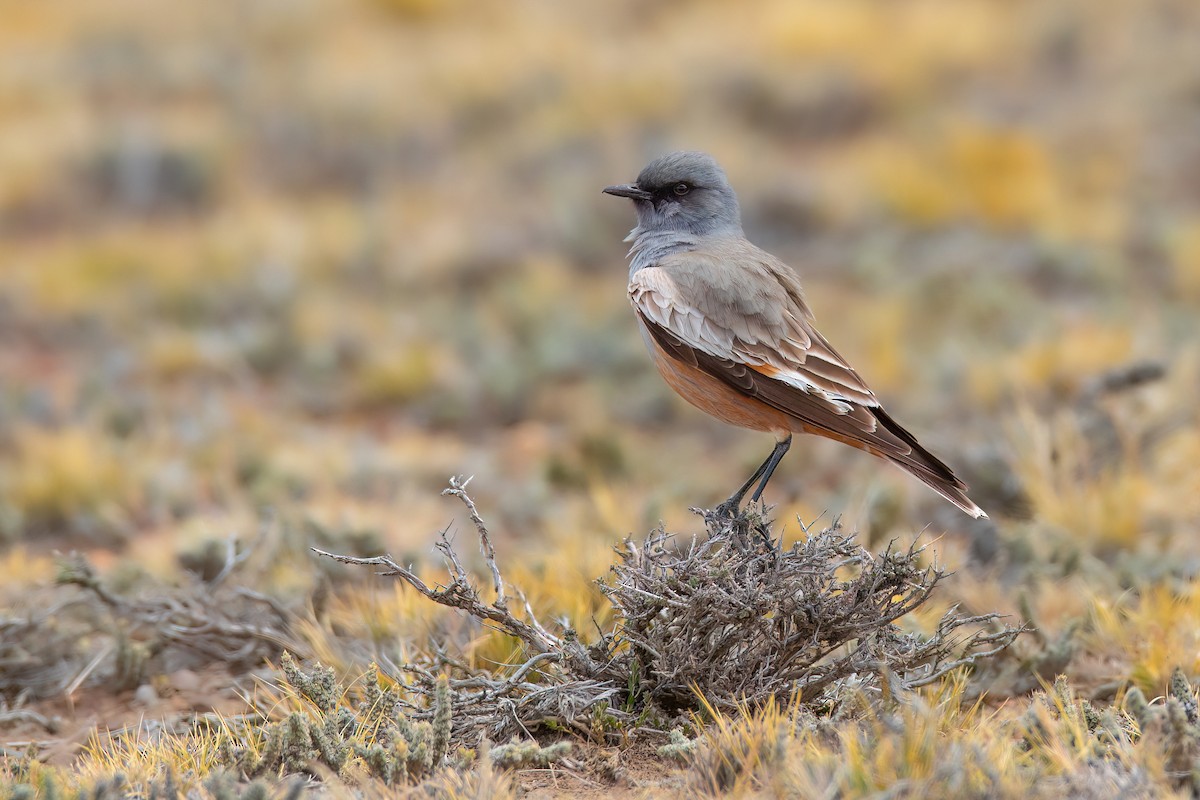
747,527
729,510
743,525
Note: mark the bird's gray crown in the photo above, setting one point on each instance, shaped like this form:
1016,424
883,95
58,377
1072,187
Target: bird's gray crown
686,166
685,192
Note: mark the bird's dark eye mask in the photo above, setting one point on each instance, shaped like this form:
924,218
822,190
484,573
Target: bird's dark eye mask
674,191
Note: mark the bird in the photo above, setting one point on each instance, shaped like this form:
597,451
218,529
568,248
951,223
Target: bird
729,329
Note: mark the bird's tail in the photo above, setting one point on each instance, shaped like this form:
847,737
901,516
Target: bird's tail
927,467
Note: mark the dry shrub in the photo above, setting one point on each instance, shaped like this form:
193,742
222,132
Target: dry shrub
102,636
733,619
728,619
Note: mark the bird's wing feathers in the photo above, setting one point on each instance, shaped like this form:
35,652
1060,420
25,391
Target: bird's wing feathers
750,328
754,316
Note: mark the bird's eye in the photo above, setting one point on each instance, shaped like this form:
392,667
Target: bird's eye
682,188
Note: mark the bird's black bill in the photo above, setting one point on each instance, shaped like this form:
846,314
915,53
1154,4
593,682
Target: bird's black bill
629,190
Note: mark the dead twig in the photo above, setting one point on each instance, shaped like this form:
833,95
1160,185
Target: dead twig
458,594
458,488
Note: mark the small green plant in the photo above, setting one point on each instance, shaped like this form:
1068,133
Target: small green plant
521,755
1060,715
679,748
374,736
1175,725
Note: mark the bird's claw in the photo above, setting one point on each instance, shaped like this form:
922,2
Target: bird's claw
728,510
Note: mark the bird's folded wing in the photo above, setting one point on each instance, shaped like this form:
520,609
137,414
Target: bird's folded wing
752,318
775,355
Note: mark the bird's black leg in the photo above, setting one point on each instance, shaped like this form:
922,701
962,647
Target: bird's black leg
730,507
768,468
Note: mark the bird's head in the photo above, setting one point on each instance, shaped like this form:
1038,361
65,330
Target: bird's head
685,191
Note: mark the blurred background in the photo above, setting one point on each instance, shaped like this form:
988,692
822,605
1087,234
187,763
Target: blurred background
302,260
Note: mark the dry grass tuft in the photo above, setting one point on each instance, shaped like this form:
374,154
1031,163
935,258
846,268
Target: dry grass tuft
748,749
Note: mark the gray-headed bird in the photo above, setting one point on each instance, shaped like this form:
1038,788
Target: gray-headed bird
730,331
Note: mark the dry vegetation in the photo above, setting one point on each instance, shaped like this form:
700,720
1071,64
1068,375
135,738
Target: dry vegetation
270,272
